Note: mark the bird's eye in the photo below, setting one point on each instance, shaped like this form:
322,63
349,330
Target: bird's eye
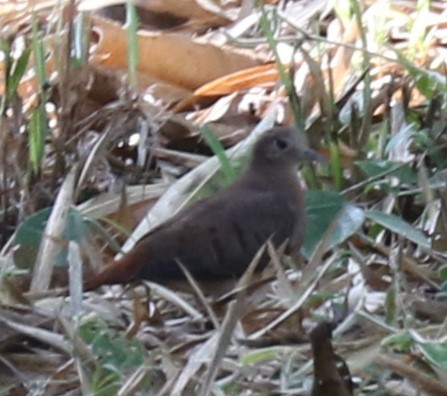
281,144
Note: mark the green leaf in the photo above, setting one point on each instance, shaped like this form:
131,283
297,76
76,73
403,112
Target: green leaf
16,76
132,41
436,353
261,355
81,38
30,231
399,226
38,51
219,151
402,341
403,172
356,101
38,130
76,227
268,30
403,135
336,165
443,273
349,222
115,353
29,235
38,124
390,306
427,81
322,207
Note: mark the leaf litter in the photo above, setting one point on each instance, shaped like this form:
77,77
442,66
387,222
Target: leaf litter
371,95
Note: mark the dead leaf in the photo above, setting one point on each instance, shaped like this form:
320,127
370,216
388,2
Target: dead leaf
200,62
331,373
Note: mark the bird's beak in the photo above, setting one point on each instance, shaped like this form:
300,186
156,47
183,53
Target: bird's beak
309,155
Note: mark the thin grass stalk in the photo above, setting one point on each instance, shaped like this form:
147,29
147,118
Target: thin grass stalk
132,40
219,151
367,92
336,165
284,75
38,125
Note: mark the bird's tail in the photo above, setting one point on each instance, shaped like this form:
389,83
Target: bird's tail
117,272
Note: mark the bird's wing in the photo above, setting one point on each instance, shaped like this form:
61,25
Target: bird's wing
218,237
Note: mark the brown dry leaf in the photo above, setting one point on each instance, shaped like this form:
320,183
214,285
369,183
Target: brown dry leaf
341,64
187,9
427,308
318,85
258,76
200,62
228,121
331,372
137,197
185,160
63,380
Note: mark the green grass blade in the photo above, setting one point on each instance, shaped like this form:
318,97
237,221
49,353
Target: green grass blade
366,62
38,129
218,150
38,124
132,39
285,76
16,74
81,40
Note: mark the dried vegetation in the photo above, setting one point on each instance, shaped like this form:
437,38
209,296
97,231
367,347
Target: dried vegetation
106,130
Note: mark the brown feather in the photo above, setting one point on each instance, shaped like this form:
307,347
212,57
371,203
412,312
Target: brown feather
216,238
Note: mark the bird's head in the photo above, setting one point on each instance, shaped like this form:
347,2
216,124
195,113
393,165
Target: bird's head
282,146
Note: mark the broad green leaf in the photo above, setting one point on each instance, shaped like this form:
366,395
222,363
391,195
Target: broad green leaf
403,172
76,227
349,222
404,134
29,235
399,226
436,353
322,207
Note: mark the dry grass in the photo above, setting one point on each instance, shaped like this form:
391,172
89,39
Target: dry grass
367,85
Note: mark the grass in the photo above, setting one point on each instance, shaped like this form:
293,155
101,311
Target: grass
368,89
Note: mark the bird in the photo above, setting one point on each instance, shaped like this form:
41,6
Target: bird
216,238
331,373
